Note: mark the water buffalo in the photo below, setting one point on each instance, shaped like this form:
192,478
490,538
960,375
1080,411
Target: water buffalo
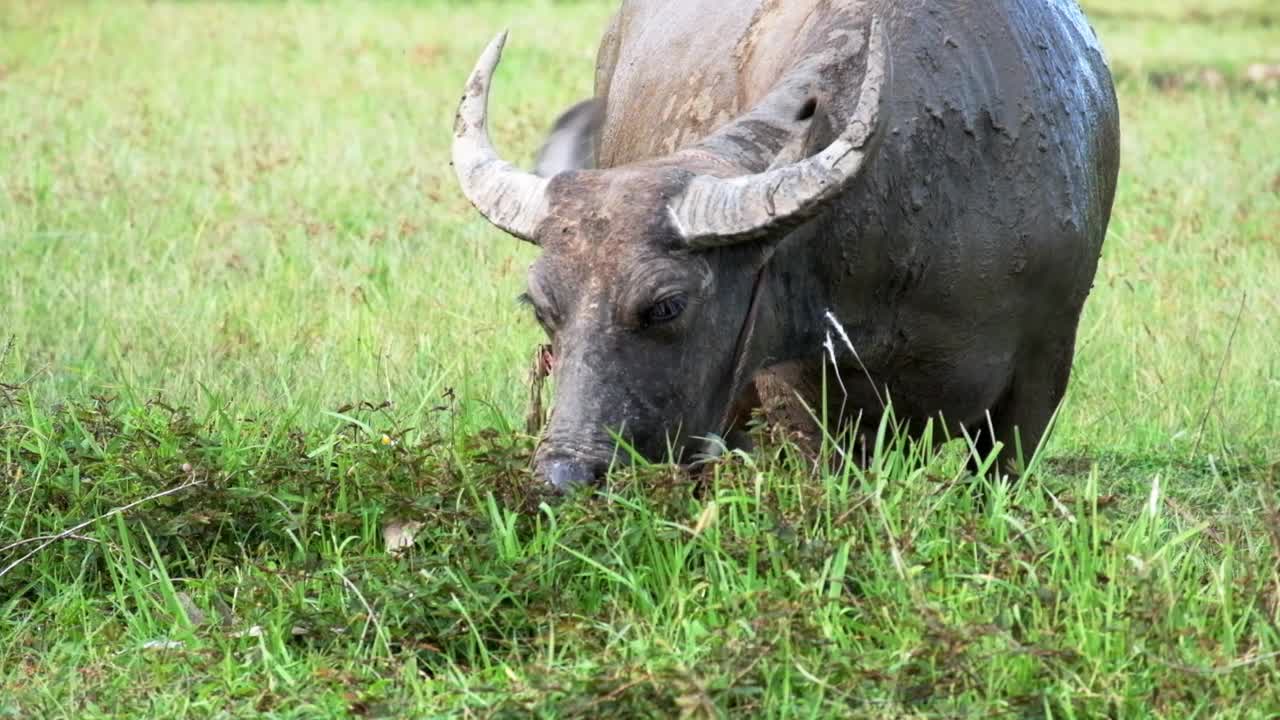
936,174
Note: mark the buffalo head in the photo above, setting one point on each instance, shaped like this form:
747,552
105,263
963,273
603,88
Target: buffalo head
647,283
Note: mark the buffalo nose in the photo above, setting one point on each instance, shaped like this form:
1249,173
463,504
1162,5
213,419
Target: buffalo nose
565,475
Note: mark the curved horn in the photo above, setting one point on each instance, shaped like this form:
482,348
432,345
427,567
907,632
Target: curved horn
714,212
513,200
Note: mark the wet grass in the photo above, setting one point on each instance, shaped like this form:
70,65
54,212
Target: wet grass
235,270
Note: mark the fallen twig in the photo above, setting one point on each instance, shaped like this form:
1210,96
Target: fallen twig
42,538
71,531
1223,669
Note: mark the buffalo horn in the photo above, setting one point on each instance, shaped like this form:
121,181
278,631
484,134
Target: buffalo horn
510,198
714,212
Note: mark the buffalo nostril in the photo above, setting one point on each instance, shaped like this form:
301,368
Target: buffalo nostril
565,475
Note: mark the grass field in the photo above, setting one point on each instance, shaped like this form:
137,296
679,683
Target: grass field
235,267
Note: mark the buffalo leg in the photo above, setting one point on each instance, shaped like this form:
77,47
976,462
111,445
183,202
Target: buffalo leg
1018,421
786,396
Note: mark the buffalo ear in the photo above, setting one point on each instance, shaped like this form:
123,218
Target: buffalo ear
814,135
571,144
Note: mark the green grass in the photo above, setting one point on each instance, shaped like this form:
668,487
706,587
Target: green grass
229,234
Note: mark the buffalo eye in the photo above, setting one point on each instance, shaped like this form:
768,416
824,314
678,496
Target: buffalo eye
538,314
665,310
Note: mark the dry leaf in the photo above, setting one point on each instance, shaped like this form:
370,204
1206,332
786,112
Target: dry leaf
399,534
707,518
162,645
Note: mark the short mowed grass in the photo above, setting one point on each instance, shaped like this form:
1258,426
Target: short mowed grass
235,268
